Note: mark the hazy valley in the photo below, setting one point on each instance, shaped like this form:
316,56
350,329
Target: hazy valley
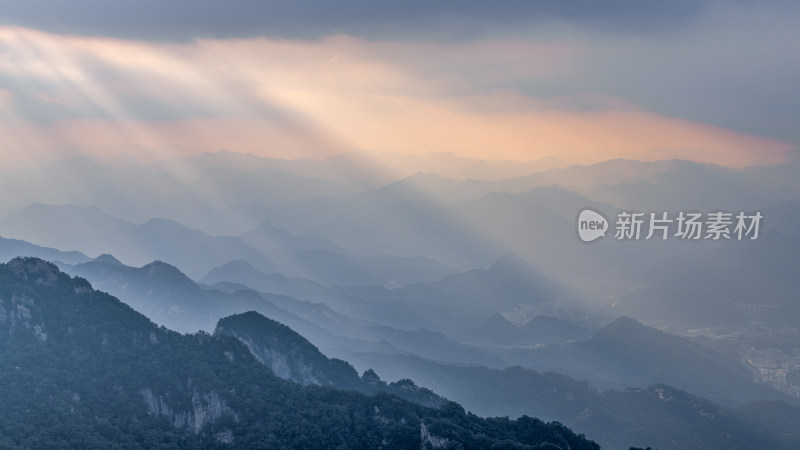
476,290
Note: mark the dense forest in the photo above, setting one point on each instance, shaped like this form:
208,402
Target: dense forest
81,369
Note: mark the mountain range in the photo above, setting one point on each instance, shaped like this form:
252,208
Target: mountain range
627,353
89,371
11,248
624,350
170,298
269,248
657,416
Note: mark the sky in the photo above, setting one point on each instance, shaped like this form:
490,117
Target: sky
582,81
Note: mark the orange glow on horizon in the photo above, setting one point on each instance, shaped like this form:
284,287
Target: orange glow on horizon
291,99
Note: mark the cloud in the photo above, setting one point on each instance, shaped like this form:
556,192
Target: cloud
185,20
6,99
500,98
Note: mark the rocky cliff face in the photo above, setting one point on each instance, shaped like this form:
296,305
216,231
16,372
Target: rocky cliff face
206,409
17,312
289,366
428,441
291,357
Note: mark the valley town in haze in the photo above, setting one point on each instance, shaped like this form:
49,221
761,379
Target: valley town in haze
437,225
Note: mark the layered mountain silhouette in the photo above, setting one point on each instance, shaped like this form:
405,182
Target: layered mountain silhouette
10,248
709,288
60,226
628,353
470,297
539,330
658,416
292,357
238,274
170,298
89,371
196,252
320,264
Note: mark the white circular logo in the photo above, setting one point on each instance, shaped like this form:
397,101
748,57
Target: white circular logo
591,225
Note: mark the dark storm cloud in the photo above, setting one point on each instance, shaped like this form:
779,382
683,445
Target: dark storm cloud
724,63
184,19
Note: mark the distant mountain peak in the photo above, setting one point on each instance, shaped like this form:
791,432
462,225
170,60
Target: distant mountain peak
106,258
498,320
369,376
426,176
624,323
266,225
420,180
237,264
238,269
511,262
162,269
271,230
162,224
627,328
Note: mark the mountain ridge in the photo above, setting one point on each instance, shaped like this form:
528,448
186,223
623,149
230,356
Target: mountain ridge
115,378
